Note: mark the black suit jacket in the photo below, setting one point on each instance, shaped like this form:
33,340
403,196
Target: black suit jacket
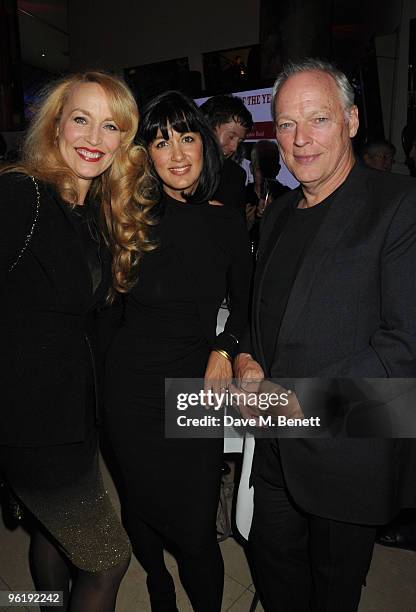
351,313
45,309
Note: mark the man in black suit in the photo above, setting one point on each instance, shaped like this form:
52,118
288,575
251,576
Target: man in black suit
231,121
334,299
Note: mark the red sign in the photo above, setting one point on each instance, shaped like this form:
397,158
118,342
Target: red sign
262,130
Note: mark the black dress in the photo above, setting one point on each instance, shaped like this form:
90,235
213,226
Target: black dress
60,484
172,485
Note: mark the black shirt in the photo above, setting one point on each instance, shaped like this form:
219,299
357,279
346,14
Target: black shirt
288,254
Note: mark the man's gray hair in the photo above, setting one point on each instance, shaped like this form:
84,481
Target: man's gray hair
346,92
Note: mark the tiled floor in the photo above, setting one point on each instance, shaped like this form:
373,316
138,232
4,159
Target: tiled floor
391,585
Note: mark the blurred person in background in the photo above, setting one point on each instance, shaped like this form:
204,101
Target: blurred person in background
412,159
409,146
379,154
265,166
231,121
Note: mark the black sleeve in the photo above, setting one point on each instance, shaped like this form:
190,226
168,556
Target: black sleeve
239,196
17,210
239,274
245,344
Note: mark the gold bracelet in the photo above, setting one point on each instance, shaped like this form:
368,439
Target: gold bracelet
224,354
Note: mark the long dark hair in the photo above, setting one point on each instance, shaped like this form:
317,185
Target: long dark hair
174,110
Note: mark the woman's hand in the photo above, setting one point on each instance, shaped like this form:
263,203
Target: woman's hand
218,373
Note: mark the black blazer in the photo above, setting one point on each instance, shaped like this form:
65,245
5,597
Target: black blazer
351,313
45,304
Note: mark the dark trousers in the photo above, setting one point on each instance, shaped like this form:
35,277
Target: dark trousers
304,563
170,493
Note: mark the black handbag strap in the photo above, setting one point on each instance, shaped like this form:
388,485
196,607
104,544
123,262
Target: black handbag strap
32,229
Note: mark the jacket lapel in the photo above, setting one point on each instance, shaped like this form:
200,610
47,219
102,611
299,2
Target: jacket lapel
66,212
345,205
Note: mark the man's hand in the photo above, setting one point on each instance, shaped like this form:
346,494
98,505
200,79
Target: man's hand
250,382
291,409
248,372
270,400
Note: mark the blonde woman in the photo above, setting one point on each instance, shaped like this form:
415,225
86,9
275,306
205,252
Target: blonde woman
78,160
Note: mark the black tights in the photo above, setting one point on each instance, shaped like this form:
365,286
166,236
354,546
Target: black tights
90,592
201,569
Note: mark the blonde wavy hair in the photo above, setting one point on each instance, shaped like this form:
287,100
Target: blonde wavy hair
125,190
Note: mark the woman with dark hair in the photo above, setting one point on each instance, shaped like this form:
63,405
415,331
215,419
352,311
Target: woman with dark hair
79,162
171,486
